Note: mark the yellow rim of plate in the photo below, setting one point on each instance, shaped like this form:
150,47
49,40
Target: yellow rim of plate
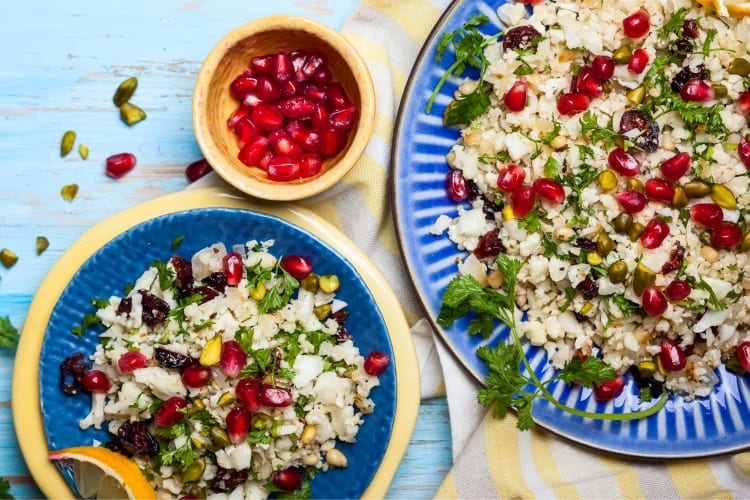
27,416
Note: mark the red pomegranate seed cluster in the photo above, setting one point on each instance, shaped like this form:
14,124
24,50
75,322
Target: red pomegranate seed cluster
291,116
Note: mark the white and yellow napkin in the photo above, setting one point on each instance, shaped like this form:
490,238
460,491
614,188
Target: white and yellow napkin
492,459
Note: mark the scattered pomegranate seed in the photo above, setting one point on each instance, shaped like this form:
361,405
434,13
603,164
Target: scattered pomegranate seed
119,164
169,412
515,99
283,168
274,396
707,214
522,200
246,132
233,358
238,424
654,234
675,167
638,61
672,356
315,93
287,479
726,235
197,169
283,145
623,162
572,103
298,266
510,178
248,393
376,363
743,151
267,89
696,90
456,186
319,117
631,201
609,389
267,116
659,190
603,67
678,290
239,114
131,360
233,268
290,88
653,301
588,83
312,65
96,381
743,355
196,376
743,103
549,189
637,24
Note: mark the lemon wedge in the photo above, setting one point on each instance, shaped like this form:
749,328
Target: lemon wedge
734,8
102,473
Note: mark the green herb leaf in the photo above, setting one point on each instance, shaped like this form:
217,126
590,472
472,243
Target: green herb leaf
5,489
8,333
466,108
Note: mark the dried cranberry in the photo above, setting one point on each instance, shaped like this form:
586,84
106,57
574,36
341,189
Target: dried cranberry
588,287
72,370
183,272
172,360
489,245
342,334
116,446
519,38
217,281
227,479
135,438
154,308
340,316
676,255
207,292
125,306
685,74
586,244
648,140
690,28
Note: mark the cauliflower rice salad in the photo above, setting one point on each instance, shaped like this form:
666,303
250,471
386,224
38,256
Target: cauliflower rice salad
229,375
612,160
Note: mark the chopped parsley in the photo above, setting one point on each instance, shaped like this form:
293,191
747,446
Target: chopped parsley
8,333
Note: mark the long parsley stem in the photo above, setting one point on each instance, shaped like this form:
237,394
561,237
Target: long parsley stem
439,86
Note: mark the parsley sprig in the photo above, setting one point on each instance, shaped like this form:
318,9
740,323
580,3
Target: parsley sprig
468,44
511,382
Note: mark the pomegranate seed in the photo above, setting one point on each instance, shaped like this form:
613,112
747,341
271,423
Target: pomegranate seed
233,268
265,160
659,190
653,301
267,89
241,85
309,140
654,233
522,200
312,65
233,358
96,381
743,151
169,412
274,396
319,117
238,424
726,235
638,61
196,375
251,100
287,479
245,132
672,356
267,116
298,266
337,95
743,355
456,186
261,65
510,178
678,290
131,360
119,165
743,103
248,393
572,103
197,169
283,145
376,363
707,214
589,84
609,389
623,162
515,99
331,141
251,153
636,25
323,75
237,116
297,107
343,118
696,90
290,88
281,67
315,93
310,164
298,59
283,168
603,67
675,167
549,189
631,201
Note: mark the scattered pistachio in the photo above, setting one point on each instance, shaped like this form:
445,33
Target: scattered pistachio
508,213
697,188
635,231
720,90
125,91
646,368
745,243
679,199
69,192
634,184
131,114
329,283
723,196
739,66
607,180
594,259
8,258
41,244
586,308
642,278
211,353
219,437
258,292
225,399
617,271
622,55
623,222
83,150
322,312
194,471
66,144
310,282
637,94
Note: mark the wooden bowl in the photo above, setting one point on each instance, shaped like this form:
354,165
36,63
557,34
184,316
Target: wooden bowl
213,104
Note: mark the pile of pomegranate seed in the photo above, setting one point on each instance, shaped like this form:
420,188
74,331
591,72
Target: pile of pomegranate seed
292,114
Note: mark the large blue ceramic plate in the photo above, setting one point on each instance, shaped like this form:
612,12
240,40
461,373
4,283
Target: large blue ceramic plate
125,257
716,424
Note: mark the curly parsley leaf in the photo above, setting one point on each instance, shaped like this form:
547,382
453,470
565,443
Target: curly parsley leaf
8,333
5,489
591,129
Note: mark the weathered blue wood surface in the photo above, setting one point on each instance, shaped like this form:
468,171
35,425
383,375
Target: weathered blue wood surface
60,63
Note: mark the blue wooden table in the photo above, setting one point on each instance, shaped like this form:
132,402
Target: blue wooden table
60,63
